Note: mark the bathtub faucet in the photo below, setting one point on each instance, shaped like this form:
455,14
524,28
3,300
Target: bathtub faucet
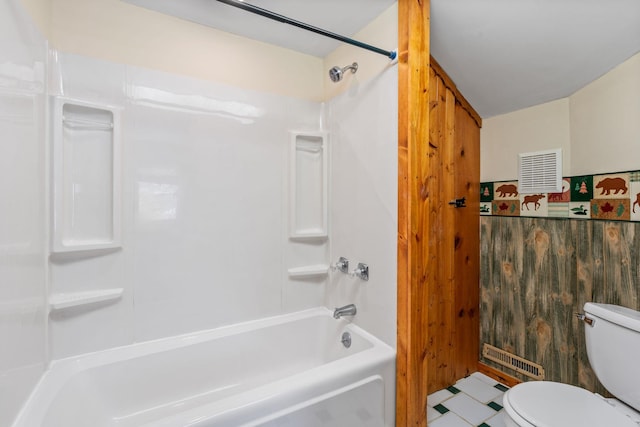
347,310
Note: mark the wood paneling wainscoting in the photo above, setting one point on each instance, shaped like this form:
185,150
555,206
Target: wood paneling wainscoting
438,244
536,273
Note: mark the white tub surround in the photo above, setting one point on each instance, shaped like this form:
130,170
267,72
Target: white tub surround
23,353
129,181
291,368
200,162
364,200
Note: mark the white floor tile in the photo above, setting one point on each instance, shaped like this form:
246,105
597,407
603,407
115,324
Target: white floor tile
499,399
449,420
497,420
438,397
469,409
484,378
478,389
432,414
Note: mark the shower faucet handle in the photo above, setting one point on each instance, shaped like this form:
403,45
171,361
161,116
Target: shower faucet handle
362,271
342,265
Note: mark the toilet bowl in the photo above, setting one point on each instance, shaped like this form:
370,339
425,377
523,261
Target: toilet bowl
613,343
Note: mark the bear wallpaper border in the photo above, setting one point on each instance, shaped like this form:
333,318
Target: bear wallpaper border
610,196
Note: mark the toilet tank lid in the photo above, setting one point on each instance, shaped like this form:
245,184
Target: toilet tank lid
622,316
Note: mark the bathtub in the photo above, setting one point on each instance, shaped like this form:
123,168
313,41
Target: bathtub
289,370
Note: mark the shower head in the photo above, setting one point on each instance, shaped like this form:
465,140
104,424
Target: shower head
336,73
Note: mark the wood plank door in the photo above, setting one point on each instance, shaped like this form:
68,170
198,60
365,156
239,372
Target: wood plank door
466,254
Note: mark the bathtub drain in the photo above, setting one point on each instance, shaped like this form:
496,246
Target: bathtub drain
346,339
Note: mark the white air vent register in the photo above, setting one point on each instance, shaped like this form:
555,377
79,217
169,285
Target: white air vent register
540,172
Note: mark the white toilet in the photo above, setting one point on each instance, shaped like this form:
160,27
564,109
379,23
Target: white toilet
613,347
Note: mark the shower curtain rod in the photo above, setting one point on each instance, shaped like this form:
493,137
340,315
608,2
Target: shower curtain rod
281,18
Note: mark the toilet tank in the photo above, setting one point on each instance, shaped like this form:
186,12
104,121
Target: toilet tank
613,348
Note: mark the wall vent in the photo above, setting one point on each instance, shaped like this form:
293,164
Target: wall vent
540,172
511,361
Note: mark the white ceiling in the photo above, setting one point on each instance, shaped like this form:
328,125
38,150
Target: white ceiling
503,55
344,17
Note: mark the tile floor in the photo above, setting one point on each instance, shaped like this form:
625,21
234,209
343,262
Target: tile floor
472,401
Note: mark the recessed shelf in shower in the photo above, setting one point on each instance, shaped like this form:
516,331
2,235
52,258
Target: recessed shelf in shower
308,185
86,176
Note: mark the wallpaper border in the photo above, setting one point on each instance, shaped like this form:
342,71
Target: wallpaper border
611,196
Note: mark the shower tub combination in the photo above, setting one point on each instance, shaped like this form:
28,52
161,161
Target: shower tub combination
289,370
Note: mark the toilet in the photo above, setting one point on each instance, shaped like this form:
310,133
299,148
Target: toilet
613,347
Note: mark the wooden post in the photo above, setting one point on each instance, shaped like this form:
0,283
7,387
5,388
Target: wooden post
413,201
438,243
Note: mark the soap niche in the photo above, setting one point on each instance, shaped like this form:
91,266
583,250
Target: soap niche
308,205
308,185
86,176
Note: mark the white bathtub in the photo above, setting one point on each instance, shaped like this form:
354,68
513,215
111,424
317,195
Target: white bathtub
289,370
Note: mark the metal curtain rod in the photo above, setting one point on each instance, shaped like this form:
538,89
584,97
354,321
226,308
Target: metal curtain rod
281,18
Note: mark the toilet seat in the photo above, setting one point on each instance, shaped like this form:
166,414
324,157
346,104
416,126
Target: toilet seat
551,404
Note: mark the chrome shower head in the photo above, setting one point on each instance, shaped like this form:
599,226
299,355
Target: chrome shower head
336,73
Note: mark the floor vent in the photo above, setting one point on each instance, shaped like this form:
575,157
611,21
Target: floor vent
511,361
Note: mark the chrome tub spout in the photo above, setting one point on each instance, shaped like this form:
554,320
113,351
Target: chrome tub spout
347,310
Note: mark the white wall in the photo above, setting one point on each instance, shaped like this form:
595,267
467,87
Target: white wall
605,122
597,128
214,157
120,32
204,197
22,197
224,258
363,120
542,127
205,238
364,215
40,13
205,158
381,32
